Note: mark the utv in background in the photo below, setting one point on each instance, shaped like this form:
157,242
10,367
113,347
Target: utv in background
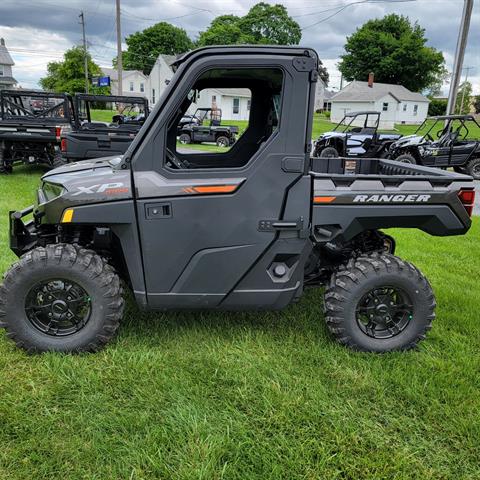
31,125
93,139
356,135
442,142
205,126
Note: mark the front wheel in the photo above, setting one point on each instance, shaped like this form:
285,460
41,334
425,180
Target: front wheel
185,139
61,298
473,168
406,158
329,152
379,303
58,160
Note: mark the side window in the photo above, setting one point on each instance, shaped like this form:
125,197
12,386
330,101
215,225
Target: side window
131,86
404,107
1,70
385,107
415,109
153,96
142,87
228,115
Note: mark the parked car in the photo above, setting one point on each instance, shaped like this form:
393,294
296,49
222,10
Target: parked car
247,228
356,135
205,126
92,139
31,126
442,141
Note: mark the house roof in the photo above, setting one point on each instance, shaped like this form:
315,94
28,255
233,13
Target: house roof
361,92
327,94
169,59
233,92
5,58
7,81
113,74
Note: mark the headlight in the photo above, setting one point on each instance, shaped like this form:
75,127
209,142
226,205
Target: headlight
51,191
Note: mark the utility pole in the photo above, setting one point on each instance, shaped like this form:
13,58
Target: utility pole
85,51
464,88
459,54
119,50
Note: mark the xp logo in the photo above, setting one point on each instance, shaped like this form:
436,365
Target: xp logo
412,198
107,188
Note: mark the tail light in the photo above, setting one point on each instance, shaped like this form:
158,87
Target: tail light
63,145
58,132
467,197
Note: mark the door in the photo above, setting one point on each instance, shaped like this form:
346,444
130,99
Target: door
209,221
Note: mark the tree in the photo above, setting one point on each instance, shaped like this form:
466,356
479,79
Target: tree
396,51
144,47
476,103
465,94
437,106
69,75
263,24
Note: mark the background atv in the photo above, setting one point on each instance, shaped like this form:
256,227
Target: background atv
205,126
31,125
356,135
442,142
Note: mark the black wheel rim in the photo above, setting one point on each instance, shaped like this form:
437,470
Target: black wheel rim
58,307
476,170
384,312
222,143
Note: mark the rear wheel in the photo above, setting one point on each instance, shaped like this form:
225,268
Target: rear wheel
379,303
61,298
473,168
223,141
406,158
329,152
185,139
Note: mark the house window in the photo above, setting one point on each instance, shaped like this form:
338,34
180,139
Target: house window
131,86
153,95
249,101
214,98
1,70
415,109
142,87
236,105
404,107
385,107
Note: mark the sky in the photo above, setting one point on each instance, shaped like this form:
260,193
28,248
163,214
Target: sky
37,32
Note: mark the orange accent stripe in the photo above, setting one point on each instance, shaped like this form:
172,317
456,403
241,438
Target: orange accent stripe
323,199
215,188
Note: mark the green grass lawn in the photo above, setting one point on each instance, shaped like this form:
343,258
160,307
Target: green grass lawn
250,395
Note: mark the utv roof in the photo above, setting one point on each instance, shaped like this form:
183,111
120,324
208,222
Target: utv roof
32,93
259,49
109,98
453,117
365,112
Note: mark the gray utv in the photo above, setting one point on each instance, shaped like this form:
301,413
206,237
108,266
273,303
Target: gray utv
247,228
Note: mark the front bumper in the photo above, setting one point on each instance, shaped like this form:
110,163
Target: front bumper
23,235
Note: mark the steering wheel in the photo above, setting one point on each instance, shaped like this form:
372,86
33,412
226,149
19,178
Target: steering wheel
175,162
440,133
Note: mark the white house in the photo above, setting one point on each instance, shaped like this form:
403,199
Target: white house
396,103
134,82
159,77
6,76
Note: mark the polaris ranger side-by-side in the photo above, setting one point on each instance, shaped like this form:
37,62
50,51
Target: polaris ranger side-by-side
93,139
31,124
247,228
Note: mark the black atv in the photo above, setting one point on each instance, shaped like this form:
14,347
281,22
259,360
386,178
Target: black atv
205,126
356,135
31,125
442,141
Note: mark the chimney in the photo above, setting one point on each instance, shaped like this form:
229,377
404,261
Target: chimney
370,79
